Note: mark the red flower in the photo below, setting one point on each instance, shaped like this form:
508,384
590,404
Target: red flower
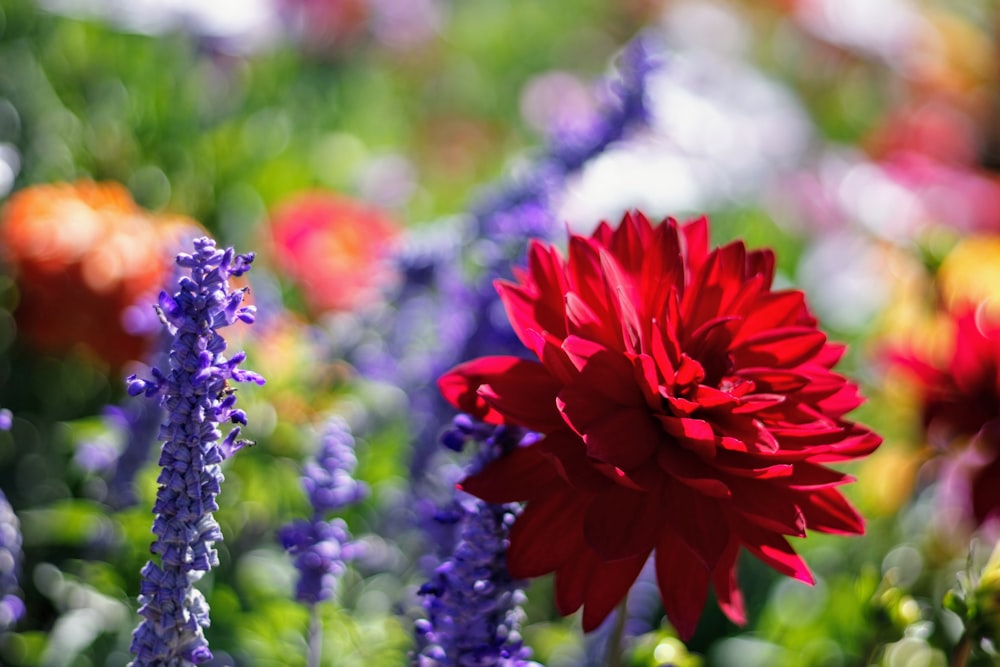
686,409
960,401
334,247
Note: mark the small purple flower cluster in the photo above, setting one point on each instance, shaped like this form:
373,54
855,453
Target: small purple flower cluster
11,606
472,603
322,548
196,394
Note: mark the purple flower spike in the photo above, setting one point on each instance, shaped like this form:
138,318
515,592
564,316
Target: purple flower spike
473,605
196,394
322,548
11,606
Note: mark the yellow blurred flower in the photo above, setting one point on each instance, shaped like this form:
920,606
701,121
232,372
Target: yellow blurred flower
970,274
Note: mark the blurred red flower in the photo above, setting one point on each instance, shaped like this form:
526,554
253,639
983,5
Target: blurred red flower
84,255
686,409
960,401
334,248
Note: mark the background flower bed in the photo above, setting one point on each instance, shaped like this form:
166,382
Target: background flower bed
865,160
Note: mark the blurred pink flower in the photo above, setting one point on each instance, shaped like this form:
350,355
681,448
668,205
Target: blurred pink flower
334,248
959,402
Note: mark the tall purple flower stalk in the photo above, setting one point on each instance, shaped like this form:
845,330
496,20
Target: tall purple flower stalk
11,606
196,394
322,547
471,602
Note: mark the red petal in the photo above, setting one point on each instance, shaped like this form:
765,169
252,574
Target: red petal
630,241
699,521
569,455
609,588
827,511
709,397
773,549
625,438
604,372
694,434
727,589
525,395
830,355
526,313
547,534
771,310
621,523
537,304
775,381
695,241
689,470
785,347
585,322
460,385
647,379
662,272
572,580
769,506
683,582
861,442
812,476
761,263
549,351
596,585
525,473
757,402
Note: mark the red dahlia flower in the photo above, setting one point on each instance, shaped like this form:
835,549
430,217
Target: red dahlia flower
960,401
686,409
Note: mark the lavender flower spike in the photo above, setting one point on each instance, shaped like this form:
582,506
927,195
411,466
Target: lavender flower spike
321,548
11,606
196,394
472,603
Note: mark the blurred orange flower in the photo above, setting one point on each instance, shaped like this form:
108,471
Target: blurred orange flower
335,248
84,255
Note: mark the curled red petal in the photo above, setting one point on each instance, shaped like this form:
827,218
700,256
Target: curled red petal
500,390
773,549
726,587
460,385
827,511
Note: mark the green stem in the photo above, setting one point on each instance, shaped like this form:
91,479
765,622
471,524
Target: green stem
614,655
962,651
315,637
